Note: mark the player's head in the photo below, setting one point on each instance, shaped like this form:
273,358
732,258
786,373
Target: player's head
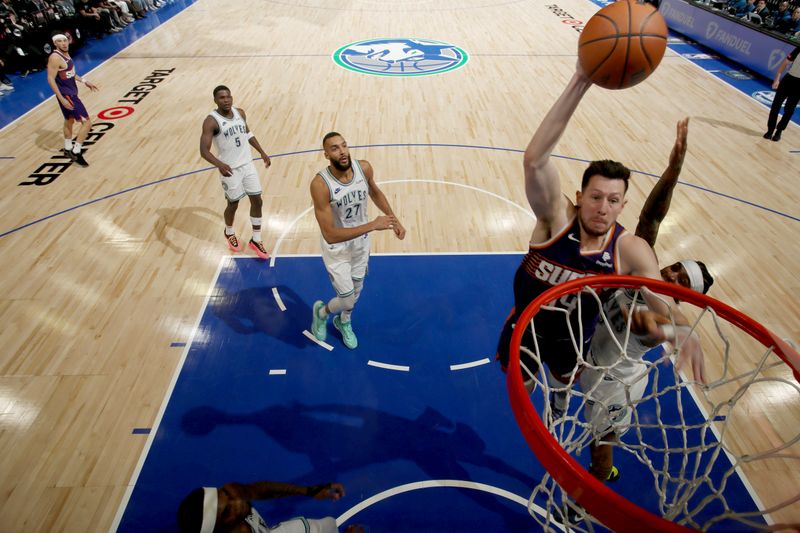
223,98
690,274
602,195
209,509
61,42
336,151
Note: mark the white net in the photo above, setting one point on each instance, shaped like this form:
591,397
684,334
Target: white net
720,456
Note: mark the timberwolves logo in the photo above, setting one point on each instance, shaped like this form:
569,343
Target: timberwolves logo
400,57
765,97
737,75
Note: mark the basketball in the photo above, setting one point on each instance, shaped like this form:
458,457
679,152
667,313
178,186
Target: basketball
622,44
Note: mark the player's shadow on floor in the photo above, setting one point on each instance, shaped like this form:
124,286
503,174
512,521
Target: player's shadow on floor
255,311
195,222
732,126
49,140
338,439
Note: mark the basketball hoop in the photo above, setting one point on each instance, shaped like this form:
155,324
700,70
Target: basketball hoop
682,504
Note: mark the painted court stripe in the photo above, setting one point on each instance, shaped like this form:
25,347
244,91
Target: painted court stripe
277,372
275,252
471,364
312,338
141,431
278,299
387,366
135,475
177,344
441,483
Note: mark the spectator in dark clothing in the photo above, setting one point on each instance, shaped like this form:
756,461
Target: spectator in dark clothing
782,17
762,11
98,21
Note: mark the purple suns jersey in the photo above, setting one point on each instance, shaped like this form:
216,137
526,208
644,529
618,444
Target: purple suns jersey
65,79
560,259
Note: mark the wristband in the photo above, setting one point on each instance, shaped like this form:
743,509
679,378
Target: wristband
250,135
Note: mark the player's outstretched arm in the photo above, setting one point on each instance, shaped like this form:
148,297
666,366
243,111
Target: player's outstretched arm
322,211
542,184
638,259
380,199
658,201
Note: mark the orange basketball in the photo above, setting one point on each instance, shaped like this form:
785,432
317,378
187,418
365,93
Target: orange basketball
622,44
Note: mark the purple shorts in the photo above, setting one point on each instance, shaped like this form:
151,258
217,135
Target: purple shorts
78,112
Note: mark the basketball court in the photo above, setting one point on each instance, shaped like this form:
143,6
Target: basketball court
142,360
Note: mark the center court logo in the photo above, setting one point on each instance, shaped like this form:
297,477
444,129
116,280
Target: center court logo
765,97
400,56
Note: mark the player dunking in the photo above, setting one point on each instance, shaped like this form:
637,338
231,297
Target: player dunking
340,193
227,127
571,241
608,406
61,76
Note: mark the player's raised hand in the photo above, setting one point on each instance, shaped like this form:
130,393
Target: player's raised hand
658,328
678,153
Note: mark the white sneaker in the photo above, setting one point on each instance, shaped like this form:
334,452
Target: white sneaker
6,87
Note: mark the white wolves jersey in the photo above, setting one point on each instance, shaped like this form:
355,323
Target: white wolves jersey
348,200
231,140
604,350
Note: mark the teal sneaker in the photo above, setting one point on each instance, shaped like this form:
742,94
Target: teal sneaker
319,326
346,329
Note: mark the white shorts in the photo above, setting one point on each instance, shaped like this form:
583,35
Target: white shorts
608,406
244,180
345,262
306,525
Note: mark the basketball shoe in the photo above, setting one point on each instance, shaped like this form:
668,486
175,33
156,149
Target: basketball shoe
558,404
319,325
233,242
346,329
78,158
569,515
258,247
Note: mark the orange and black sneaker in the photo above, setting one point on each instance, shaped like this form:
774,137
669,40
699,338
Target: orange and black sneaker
233,242
259,249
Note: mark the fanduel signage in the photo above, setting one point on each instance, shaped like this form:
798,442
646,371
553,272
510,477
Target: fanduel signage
747,46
